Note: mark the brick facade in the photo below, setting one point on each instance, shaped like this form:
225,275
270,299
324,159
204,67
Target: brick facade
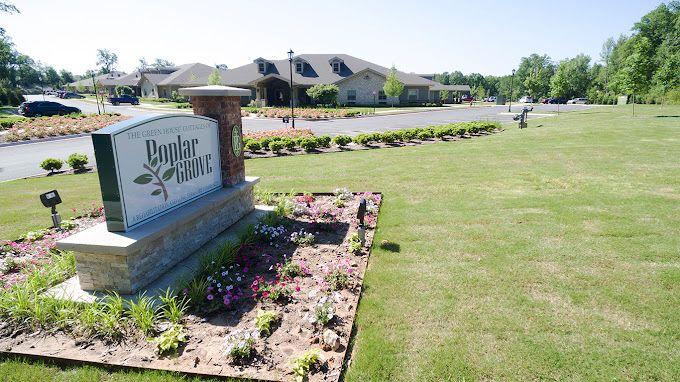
227,112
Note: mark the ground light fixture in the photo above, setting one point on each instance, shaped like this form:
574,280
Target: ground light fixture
51,199
292,110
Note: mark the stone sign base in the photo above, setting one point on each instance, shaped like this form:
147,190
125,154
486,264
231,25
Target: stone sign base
125,262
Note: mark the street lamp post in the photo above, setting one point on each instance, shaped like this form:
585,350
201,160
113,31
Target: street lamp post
292,110
512,79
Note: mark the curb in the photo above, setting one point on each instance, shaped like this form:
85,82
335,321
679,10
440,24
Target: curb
41,140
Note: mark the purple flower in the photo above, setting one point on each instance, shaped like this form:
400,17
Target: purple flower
210,297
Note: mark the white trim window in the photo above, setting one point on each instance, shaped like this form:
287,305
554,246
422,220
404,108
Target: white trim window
412,95
261,67
351,97
336,67
299,67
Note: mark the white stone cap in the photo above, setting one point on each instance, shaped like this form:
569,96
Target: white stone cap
214,90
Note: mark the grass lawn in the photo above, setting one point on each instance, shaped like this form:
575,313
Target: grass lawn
549,253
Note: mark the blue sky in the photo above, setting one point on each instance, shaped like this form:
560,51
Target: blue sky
488,37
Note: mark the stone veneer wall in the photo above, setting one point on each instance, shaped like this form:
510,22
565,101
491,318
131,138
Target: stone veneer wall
127,274
364,87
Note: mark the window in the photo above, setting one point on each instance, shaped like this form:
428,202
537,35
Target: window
351,96
299,66
413,95
261,66
336,67
382,97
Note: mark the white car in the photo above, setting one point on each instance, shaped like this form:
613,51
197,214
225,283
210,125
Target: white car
526,99
582,101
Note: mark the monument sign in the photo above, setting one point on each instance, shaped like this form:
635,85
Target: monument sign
150,166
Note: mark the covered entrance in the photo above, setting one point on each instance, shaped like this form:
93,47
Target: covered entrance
274,91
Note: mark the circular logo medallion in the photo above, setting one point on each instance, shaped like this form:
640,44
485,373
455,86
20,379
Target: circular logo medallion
236,140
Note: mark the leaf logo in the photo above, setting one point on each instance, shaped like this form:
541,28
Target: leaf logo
153,173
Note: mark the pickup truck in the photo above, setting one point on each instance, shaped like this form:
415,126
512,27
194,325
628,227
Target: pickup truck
124,99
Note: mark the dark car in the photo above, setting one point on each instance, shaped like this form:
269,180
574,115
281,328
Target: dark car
125,98
557,100
45,108
72,95
467,98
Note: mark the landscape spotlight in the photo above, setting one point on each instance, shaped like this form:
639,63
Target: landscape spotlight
51,199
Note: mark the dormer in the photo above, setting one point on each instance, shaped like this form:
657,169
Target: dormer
336,64
262,65
299,65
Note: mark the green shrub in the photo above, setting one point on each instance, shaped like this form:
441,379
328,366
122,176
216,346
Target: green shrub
398,135
264,142
303,364
363,139
425,134
276,146
289,144
342,140
51,164
308,144
441,132
324,94
266,320
253,146
410,134
169,340
323,141
387,137
77,161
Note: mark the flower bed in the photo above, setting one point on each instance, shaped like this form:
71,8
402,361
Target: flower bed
279,304
280,133
35,249
308,113
43,127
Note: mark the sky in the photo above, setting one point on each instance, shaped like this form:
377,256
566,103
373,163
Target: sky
487,37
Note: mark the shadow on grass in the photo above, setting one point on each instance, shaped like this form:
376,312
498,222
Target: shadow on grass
390,246
668,116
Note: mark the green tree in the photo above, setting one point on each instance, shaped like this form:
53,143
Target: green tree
533,75
444,95
393,87
324,94
162,63
107,60
214,78
66,76
572,78
634,75
52,78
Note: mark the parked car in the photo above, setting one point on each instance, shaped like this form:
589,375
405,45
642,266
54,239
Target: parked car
67,95
557,100
526,99
45,108
578,100
125,98
490,99
467,98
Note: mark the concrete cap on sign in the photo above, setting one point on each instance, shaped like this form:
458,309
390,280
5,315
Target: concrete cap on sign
214,90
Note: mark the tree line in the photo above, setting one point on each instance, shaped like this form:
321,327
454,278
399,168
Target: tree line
645,64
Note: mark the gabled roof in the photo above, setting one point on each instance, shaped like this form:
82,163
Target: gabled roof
189,74
458,88
155,78
318,71
104,79
131,79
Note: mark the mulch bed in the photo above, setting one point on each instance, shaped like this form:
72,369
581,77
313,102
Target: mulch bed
205,353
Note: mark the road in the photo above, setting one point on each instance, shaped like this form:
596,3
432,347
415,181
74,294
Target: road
23,160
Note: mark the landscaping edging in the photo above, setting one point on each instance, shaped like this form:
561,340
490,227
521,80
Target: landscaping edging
46,139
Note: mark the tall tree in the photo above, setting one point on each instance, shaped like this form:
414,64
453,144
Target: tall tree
571,78
162,63
393,87
533,75
142,64
66,76
51,77
107,60
214,78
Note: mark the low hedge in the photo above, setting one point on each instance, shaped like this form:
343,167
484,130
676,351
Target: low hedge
310,143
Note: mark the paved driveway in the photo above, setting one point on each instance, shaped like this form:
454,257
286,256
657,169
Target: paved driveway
23,160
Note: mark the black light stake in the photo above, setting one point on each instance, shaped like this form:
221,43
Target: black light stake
512,79
292,110
51,199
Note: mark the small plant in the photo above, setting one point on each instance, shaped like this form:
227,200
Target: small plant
51,164
302,238
291,269
253,146
355,243
143,314
308,144
195,291
305,363
77,161
424,135
342,140
240,344
173,307
323,141
288,143
269,234
338,275
266,320
387,137
363,139
170,340
343,194
264,142
324,312
68,225
276,146
275,291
